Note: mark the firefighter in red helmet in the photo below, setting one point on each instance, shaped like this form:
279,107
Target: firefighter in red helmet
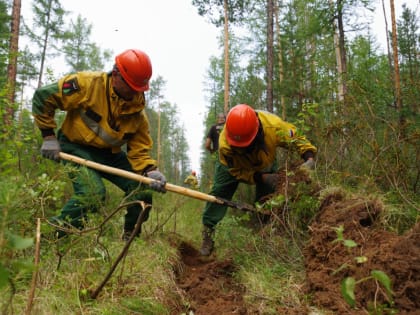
192,181
247,154
104,111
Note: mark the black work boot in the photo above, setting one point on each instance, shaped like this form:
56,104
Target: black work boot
127,233
129,228
208,242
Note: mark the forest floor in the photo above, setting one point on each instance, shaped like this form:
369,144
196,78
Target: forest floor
209,285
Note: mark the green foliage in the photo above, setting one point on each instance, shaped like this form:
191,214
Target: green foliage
47,30
214,10
354,137
230,228
13,265
136,305
383,279
348,286
408,45
340,237
304,206
308,114
269,264
18,243
27,71
4,276
45,193
398,216
23,197
79,52
276,202
74,266
347,290
4,44
364,144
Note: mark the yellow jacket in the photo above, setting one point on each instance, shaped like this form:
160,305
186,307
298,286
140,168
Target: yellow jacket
89,99
277,133
192,181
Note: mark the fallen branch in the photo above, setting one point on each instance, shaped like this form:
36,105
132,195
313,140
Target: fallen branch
123,253
35,272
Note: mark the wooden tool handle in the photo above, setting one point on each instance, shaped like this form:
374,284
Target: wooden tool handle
143,179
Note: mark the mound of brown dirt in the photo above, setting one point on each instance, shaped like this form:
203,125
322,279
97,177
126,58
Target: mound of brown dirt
208,285
328,261
209,288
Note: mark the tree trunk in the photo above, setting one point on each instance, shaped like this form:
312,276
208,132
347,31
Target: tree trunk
270,55
397,85
226,33
339,48
310,45
44,47
387,41
158,136
343,55
280,61
12,65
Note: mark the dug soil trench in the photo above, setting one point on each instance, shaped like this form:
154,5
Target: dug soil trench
210,288
208,284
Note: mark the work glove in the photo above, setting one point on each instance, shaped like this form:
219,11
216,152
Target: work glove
50,148
309,164
270,179
159,181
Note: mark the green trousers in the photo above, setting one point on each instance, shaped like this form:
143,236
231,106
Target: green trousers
224,186
89,189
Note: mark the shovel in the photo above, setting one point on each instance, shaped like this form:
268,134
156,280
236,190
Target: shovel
146,180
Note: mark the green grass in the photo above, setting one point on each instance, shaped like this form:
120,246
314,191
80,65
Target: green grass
83,263
269,261
144,282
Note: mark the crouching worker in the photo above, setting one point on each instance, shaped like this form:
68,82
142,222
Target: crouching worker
247,154
192,181
104,110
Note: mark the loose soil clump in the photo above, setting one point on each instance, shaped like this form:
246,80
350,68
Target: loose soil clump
210,288
329,261
208,284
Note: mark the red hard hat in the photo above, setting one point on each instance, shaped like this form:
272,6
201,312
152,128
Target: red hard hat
136,69
241,125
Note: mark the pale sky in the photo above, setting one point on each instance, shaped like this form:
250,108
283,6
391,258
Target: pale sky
179,43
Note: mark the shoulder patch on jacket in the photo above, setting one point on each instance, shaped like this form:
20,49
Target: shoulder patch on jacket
70,86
